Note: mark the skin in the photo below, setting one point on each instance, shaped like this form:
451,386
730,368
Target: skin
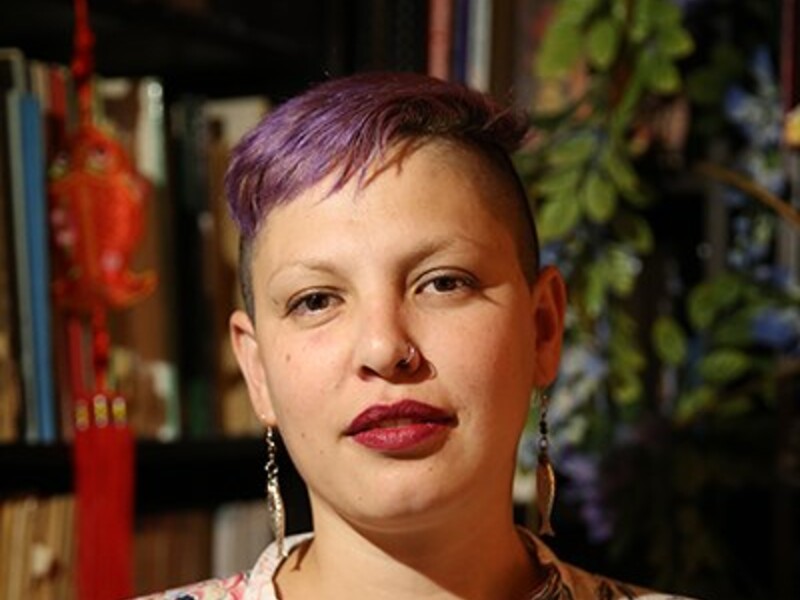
342,285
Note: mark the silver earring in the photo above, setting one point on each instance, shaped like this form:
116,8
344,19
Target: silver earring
277,514
545,476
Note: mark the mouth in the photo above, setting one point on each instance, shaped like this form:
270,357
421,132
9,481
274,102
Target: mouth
400,426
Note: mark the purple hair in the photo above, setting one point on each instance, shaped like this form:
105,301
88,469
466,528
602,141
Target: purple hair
345,125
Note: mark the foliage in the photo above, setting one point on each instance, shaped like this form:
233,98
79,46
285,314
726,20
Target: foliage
713,351
591,200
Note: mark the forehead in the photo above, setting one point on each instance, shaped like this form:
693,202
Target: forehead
428,160
417,189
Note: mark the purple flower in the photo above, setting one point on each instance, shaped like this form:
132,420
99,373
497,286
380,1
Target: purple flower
761,65
778,329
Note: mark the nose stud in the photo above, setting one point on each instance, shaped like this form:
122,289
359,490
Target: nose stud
408,359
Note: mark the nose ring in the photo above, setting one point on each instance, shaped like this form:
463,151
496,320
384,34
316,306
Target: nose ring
406,361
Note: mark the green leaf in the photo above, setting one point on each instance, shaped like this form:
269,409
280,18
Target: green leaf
596,287
665,13
669,341
557,181
634,230
560,50
723,366
627,389
573,151
642,22
619,10
576,11
619,169
558,216
734,331
602,43
692,403
622,270
710,298
636,198
625,355
622,117
663,77
599,198
676,42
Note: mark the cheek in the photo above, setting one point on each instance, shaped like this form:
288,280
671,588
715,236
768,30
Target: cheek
494,346
301,373
493,366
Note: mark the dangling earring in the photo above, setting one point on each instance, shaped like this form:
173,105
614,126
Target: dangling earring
277,515
545,476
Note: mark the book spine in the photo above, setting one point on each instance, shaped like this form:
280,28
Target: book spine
479,45
10,385
461,13
39,263
440,38
22,266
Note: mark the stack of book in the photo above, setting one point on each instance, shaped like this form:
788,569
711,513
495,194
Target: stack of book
170,353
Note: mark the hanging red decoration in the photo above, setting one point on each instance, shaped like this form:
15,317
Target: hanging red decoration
97,218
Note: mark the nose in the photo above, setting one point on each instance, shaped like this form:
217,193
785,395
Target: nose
384,346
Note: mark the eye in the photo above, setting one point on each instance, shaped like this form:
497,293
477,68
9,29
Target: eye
312,303
447,283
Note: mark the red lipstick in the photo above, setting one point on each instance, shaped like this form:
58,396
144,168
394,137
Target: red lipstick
400,426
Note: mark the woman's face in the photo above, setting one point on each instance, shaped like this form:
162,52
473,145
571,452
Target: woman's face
344,286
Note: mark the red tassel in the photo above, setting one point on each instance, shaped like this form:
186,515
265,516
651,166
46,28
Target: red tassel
86,498
103,446
104,466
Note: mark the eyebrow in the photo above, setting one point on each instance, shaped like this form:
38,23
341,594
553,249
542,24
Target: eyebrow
425,250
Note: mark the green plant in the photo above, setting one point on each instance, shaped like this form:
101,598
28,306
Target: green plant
692,433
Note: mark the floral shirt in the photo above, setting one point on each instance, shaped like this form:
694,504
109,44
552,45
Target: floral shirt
562,581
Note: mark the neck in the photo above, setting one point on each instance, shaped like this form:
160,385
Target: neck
452,558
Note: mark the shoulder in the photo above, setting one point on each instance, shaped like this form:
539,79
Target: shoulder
249,585
568,582
229,588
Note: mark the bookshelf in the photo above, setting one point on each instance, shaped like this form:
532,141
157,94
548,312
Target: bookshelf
207,49
166,474
202,49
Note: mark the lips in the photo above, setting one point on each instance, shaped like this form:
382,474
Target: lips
400,426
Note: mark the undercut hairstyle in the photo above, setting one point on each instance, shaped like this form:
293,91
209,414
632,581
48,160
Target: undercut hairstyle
341,128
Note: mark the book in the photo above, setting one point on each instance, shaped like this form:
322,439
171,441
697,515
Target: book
11,394
440,38
36,223
227,121
14,65
172,549
37,548
203,131
51,85
479,45
144,354
192,230
240,534
460,42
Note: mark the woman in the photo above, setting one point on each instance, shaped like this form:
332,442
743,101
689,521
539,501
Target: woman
397,324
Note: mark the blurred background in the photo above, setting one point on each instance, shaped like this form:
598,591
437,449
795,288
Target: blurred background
664,168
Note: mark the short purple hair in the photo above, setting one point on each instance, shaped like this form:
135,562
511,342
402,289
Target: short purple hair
343,126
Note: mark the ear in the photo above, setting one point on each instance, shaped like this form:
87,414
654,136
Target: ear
549,306
248,355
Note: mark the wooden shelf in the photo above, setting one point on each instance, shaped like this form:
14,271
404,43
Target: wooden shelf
169,476
228,49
